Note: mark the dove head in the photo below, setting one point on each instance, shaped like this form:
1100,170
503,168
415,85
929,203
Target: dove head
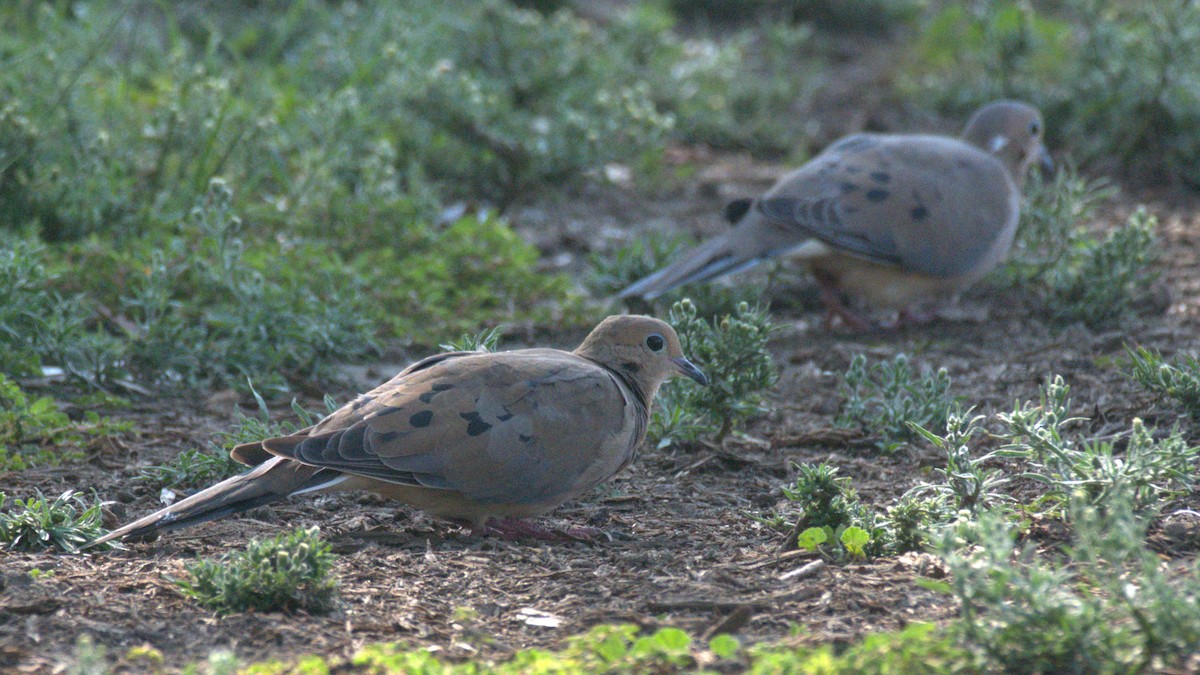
642,348
1012,132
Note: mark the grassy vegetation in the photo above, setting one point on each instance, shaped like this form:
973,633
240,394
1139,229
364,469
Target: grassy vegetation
64,523
287,573
35,432
1115,80
193,198
885,398
194,468
1178,379
1111,607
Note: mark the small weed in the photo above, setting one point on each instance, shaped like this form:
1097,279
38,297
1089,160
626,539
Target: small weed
34,432
1051,233
833,516
913,522
885,398
287,573
487,340
732,351
64,523
194,468
966,485
1179,379
1148,470
1020,612
1104,285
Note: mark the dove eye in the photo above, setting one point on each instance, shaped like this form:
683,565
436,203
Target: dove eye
1034,128
655,342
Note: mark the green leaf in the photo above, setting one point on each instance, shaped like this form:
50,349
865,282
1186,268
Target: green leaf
811,538
855,540
724,646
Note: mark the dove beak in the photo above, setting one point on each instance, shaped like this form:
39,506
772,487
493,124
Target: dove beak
1045,160
689,369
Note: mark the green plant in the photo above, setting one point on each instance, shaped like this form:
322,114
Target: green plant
918,648
832,515
487,340
91,658
886,397
1116,80
1104,285
736,92
1148,470
289,572
966,484
64,523
1051,232
1179,379
1111,607
732,351
1023,614
246,324
34,432
39,326
192,468
195,468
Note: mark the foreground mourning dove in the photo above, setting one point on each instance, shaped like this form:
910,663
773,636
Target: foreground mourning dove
893,219
467,436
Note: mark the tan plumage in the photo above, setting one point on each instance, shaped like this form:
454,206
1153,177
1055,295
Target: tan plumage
467,436
892,219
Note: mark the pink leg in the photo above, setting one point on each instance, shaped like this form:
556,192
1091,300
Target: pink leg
831,298
913,316
518,528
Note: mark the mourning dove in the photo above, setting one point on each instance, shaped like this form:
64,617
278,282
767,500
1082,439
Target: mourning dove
892,219
467,436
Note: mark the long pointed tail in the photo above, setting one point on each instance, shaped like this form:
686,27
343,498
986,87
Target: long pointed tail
709,260
272,480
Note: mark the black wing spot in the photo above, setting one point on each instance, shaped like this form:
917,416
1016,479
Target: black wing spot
847,187
421,419
853,170
505,417
737,209
475,423
877,195
523,438
881,176
920,213
386,437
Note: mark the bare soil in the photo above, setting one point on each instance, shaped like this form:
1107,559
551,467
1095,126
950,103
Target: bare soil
682,549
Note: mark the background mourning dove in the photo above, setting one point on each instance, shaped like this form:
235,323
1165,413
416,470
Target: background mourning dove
892,219
467,436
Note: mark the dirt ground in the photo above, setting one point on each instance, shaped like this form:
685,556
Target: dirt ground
683,551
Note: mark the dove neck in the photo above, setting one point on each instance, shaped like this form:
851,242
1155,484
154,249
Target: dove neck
641,397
